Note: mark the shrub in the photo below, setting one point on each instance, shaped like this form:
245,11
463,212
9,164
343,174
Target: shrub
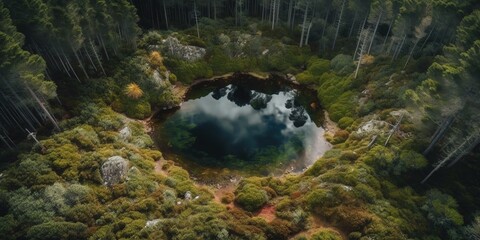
279,229
326,234
409,160
345,122
342,64
58,230
134,91
139,109
228,198
317,66
251,197
340,136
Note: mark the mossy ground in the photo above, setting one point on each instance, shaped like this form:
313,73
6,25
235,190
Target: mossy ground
361,192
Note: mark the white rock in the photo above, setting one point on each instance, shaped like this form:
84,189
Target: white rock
125,133
152,223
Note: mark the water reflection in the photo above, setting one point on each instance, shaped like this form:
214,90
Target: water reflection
240,128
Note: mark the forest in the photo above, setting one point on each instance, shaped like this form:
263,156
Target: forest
82,81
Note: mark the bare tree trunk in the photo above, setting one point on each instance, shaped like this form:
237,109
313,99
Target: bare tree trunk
439,133
394,129
100,39
279,2
42,106
290,11
4,140
80,62
61,61
89,58
375,31
428,37
308,32
399,48
338,25
96,56
196,18
304,25
362,51
359,37
165,14
274,7
411,53
353,24
388,33
469,143
70,65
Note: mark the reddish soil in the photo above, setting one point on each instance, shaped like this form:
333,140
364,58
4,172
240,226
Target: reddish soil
267,213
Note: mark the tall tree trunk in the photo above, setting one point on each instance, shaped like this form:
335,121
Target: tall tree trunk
165,14
399,49
353,24
61,61
70,65
215,9
79,62
360,37
100,39
274,7
375,31
362,51
428,37
388,33
338,25
305,14
308,32
411,53
466,146
279,2
42,106
96,55
439,133
196,18
290,11
89,57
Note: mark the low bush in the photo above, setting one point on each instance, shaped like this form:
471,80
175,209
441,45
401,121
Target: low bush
251,197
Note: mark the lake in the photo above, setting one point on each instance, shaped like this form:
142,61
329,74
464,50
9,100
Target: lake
243,126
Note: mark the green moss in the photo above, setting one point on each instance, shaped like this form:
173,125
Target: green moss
326,234
251,197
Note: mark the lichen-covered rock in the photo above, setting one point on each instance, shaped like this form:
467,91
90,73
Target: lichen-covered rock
152,223
373,126
114,170
184,52
125,133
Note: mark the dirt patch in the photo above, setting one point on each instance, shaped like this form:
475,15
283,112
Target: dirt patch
267,213
330,126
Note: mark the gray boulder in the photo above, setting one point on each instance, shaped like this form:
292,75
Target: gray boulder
114,170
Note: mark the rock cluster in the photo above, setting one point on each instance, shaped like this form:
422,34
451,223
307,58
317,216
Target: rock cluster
184,52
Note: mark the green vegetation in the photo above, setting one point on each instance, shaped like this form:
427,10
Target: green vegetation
251,197
399,77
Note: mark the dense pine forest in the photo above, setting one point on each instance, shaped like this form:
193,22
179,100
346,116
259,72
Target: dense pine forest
83,84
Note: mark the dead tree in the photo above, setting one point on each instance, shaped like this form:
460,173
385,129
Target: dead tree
439,133
455,153
364,42
394,129
7,141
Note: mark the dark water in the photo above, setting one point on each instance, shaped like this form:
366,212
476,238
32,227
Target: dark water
255,127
